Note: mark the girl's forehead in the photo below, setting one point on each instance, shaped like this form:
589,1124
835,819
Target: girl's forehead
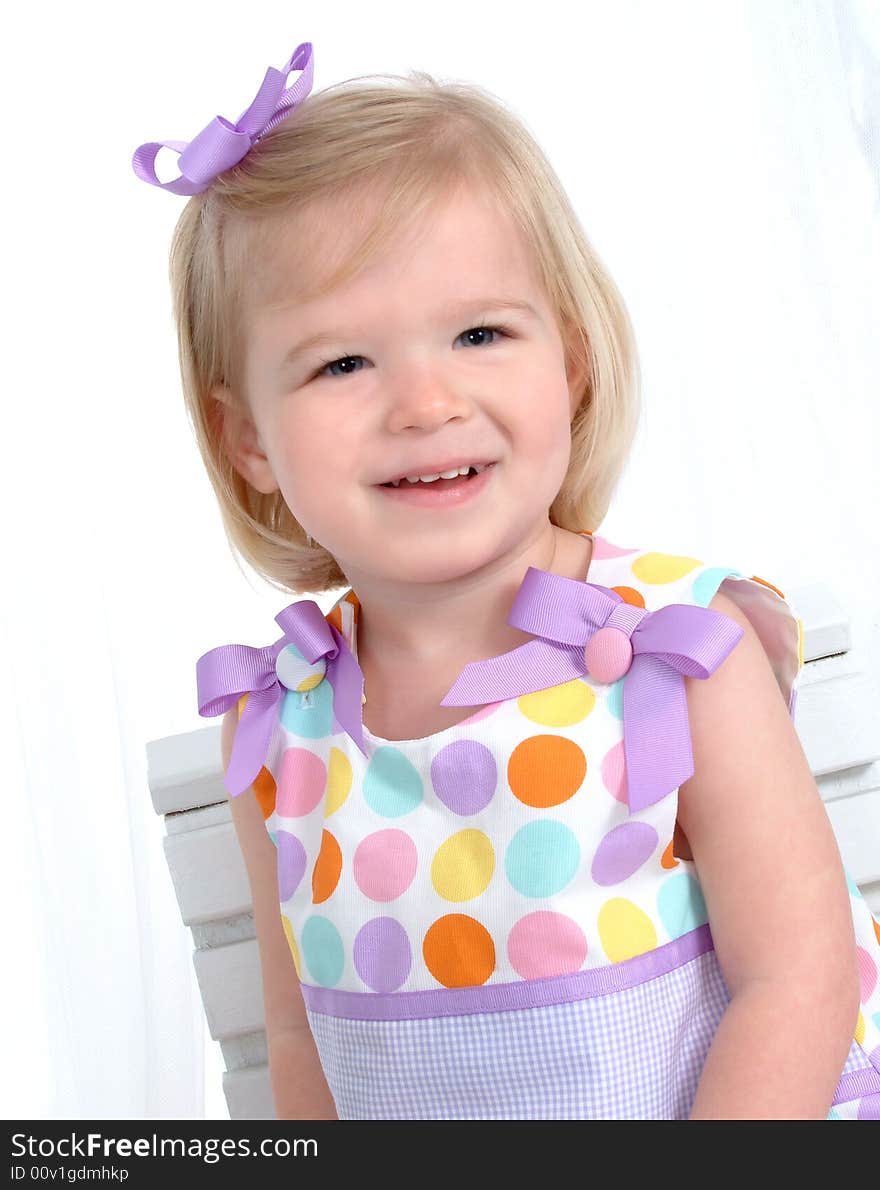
303,256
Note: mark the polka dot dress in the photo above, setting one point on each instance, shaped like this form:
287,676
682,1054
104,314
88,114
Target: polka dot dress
460,907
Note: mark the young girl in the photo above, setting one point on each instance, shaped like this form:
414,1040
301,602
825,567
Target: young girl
543,837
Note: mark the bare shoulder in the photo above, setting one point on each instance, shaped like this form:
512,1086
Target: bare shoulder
761,840
284,1007
742,735
258,850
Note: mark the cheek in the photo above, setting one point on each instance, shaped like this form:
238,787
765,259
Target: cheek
311,450
544,419
303,435
295,450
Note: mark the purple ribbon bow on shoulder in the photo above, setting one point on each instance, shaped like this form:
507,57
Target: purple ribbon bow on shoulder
583,628
221,145
579,629
226,673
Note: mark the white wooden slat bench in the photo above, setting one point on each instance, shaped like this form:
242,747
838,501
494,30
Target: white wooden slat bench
837,721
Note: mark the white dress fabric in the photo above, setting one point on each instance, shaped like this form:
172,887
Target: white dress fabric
481,926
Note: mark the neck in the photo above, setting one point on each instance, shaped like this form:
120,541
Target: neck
430,634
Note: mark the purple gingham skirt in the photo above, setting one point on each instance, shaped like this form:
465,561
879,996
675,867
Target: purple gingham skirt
634,1053
631,1054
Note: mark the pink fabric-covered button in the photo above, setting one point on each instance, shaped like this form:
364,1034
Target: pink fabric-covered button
608,654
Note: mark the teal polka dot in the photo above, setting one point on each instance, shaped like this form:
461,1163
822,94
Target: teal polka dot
392,785
832,1115
322,951
708,581
876,1019
614,701
681,906
852,886
314,720
541,858
273,835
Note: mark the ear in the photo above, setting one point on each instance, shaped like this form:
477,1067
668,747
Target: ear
577,369
241,442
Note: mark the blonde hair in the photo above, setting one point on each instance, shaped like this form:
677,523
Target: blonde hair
414,139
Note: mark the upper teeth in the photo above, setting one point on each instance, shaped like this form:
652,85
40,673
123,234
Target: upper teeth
478,467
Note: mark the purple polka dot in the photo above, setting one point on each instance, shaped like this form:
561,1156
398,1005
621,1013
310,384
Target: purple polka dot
291,863
622,852
382,954
464,776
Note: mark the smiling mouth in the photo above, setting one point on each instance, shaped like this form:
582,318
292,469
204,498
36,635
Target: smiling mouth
437,484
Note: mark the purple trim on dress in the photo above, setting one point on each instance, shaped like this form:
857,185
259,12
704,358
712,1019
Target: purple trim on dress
856,1084
502,997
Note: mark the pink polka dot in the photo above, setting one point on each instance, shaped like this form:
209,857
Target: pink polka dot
867,973
613,770
385,864
602,548
542,944
301,783
482,713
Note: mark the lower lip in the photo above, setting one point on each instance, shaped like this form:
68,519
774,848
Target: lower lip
424,495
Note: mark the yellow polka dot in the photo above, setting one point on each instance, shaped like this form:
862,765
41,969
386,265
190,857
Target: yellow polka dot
800,628
624,930
860,1029
463,866
291,942
310,683
241,704
560,706
663,568
338,781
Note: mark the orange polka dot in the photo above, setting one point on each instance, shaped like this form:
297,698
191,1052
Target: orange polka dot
459,951
876,926
545,770
264,783
265,790
630,595
327,870
668,860
764,583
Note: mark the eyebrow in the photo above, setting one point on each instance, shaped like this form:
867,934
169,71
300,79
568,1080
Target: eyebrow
460,310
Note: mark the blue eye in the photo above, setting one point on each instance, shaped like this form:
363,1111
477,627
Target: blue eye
349,359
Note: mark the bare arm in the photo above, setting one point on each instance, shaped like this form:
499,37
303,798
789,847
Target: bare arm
299,1088
776,893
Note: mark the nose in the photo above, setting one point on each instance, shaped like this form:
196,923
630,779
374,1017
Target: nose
421,398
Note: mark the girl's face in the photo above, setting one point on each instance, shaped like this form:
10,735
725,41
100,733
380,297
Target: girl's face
411,386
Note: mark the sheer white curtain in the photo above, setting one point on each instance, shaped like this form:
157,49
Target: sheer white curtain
724,159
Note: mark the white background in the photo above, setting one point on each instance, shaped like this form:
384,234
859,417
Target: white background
724,158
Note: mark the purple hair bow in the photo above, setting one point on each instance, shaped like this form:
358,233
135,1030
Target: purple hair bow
221,145
224,674
581,627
